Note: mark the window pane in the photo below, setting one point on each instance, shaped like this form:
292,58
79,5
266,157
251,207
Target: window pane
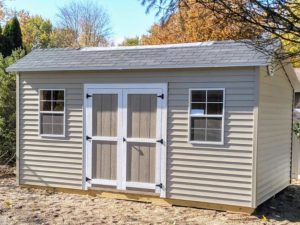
215,96
198,135
58,129
58,119
198,109
198,122
45,106
58,95
45,95
46,128
215,108
198,96
46,118
58,106
215,123
213,135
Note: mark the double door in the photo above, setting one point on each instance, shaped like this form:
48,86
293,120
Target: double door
124,138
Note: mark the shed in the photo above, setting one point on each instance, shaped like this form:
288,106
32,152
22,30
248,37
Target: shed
198,124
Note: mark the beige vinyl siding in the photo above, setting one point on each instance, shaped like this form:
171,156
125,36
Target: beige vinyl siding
209,173
274,134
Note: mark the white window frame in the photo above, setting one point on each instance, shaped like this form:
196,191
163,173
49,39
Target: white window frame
52,112
206,116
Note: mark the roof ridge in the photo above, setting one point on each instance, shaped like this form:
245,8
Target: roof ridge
163,46
56,49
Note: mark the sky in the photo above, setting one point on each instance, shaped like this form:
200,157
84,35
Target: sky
128,17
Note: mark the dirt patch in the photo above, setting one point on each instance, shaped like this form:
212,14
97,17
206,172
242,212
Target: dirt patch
285,206
7,171
33,206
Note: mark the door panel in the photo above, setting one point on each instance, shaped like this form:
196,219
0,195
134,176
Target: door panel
104,160
141,162
104,144
105,107
141,115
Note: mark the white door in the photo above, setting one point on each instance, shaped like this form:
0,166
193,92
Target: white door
103,142
125,146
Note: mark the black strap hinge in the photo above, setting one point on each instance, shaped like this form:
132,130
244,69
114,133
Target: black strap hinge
87,179
159,185
161,96
160,141
124,139
88,96
88,138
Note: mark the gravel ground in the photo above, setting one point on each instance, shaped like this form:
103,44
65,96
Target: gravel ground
32,206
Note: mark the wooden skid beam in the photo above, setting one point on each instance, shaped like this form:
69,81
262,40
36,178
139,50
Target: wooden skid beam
145,197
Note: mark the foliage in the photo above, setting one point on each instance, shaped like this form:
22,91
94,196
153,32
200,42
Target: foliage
8,108
293,47
276,18
192,24
36,31
296,129
131,41
12,36
62,38
86,22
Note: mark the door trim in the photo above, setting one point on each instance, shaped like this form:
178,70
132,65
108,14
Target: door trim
142,86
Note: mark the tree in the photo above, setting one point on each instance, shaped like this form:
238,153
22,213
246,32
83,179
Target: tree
62,38
192,24
12,36
87,21
36,31
131,41
8,108
278,19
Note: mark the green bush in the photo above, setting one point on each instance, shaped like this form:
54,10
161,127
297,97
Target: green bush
296,129
8,108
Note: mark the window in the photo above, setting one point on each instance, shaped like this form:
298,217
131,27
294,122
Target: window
206,116
52,112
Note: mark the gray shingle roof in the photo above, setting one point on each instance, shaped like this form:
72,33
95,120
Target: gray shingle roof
192,55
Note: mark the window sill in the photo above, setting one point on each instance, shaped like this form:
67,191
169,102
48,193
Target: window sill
205,143
52,136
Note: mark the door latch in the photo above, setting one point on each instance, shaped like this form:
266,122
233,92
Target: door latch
159,185
88,138
160,141
161,96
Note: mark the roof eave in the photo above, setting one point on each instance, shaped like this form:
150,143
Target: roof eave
55,69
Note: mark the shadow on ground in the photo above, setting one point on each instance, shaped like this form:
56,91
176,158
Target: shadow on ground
284,206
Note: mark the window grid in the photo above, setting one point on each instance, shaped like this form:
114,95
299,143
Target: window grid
205,115
52,113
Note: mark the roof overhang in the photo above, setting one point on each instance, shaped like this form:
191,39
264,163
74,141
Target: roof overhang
79,68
